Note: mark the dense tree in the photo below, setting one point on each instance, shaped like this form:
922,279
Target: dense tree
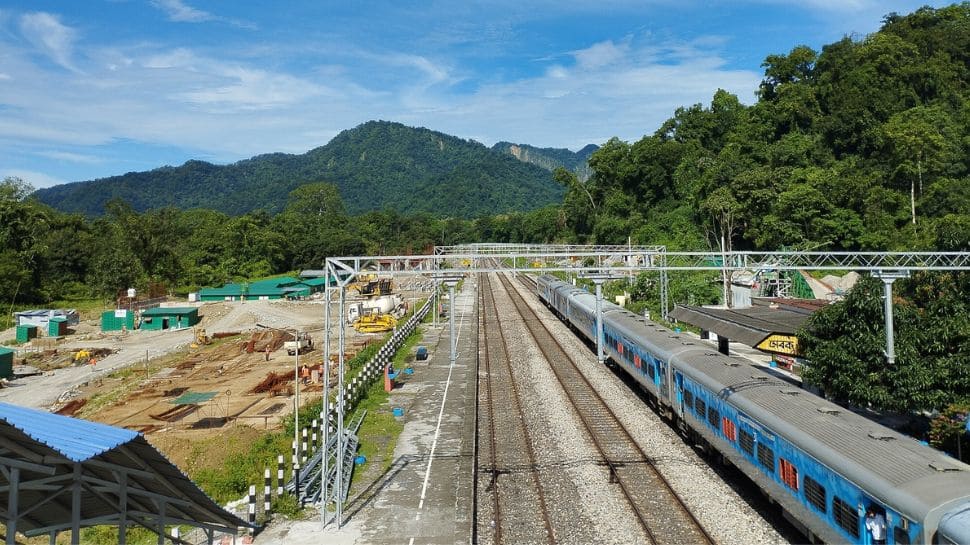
845,343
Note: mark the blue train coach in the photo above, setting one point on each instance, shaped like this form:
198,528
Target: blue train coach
826,466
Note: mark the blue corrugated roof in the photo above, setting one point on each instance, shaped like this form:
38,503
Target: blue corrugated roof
78,440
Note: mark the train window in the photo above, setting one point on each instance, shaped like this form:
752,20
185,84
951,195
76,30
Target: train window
713,417
729,430
815,494
747,443
766,457
789,473
900,536
845,516
688,398
650,372
700,406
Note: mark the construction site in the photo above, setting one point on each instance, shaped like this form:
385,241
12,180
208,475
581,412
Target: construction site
195,392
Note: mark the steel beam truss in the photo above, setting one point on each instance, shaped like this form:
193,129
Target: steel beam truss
142,497
452,262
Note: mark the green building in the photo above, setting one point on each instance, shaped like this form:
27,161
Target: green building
116,320
261,290
159,318
228,292
316,285
6,362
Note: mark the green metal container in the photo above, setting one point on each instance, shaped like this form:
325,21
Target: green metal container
57,326
116,320
26,332
6,362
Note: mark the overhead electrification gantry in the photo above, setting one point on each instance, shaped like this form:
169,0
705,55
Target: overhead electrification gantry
601,262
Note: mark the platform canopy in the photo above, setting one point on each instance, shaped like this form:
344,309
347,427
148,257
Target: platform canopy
769,328
59,473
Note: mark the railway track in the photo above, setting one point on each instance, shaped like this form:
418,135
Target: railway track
519,511
661,513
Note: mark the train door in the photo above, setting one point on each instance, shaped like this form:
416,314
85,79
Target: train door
679,385
876,524
662,379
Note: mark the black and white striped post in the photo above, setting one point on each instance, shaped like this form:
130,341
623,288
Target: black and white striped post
267,492
303,458
279,475
252,504
313,435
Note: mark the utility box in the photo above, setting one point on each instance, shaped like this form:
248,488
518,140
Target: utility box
25,333
116,320
57,326
6,362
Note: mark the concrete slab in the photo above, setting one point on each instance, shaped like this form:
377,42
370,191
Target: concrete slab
426,496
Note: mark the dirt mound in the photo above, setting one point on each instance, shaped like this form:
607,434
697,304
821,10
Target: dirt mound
72,407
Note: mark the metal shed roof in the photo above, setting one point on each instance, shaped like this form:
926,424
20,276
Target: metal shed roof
228,289
274,282
66,474
169,311
747,325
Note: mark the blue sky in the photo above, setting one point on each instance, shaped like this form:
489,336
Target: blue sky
95,88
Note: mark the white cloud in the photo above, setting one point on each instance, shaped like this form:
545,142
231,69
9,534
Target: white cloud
625,91
36,179
251,89
71,157
179,12
601,54
46,32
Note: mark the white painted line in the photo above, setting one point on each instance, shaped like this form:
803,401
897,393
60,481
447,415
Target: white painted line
441,413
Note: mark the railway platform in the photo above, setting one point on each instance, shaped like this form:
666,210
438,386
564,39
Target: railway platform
425,496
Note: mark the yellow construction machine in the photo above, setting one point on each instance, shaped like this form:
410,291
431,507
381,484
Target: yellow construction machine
201,338
370,285
82,356
375,323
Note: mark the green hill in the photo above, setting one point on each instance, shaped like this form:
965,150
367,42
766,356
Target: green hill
378,165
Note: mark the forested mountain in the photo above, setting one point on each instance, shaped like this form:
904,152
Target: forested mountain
378,165
551,158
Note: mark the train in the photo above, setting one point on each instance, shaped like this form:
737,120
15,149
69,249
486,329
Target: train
824,465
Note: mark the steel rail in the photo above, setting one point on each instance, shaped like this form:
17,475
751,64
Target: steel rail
519,416
615,469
